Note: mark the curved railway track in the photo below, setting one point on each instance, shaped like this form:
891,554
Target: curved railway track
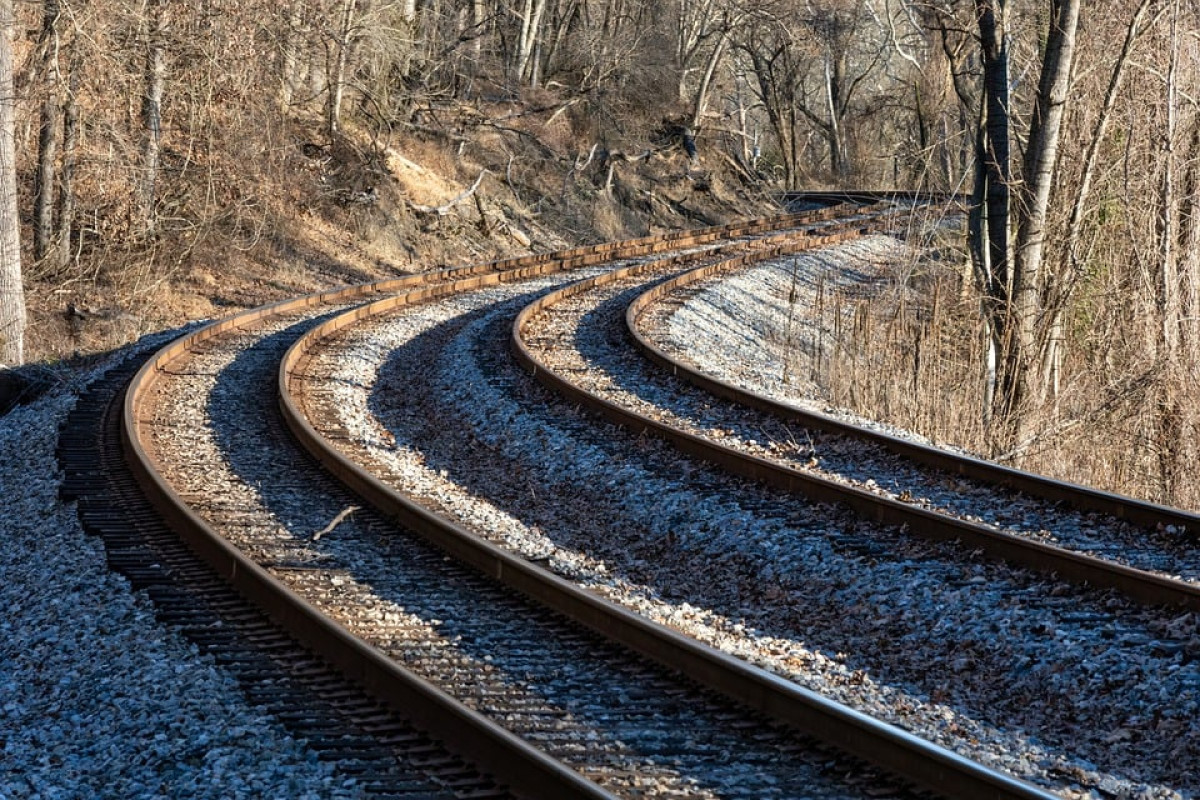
204,508
381,752
1142,563
497,664
1150,552
1059,616
152,421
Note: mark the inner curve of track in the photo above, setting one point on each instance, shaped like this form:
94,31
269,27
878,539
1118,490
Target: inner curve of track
627,725
762,291
1073,689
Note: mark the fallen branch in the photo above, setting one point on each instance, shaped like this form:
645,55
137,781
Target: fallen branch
442,211
336,521
560,110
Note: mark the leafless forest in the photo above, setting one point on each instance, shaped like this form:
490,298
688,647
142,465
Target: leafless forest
165,160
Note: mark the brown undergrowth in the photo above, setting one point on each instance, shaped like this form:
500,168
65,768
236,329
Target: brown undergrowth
244,224
910,352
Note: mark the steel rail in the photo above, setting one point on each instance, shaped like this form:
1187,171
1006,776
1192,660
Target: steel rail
1139,585
507,757
891,748
496,750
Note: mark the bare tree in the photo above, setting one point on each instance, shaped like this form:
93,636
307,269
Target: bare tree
525,67
155,77
1041,159
12,291
45,176
777,68
852,48
989,217
813,66
1010,267
341,40
701,33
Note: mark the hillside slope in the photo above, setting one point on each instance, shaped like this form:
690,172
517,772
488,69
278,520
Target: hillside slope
482,184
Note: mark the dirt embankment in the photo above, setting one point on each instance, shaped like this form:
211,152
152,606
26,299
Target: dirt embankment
460,185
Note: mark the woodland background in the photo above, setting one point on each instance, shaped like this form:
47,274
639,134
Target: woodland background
178,160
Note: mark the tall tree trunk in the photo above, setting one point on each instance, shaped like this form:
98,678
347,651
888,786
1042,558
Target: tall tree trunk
44,178
337,76
70,146
531,26
12,292
479,15
1041,158
834,136
1058,294
981,257
1169,300
155,82
989,218
710,69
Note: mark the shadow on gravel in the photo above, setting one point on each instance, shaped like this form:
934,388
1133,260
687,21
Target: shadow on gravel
874,605
472,617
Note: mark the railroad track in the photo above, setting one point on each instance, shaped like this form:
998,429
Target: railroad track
379,750
925,492
1147,551
1132,635
164,441
347,569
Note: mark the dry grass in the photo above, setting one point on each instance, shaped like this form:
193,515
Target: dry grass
910,353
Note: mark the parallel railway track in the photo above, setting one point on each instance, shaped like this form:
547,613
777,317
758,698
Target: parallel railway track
1156,539
1176,551
361,547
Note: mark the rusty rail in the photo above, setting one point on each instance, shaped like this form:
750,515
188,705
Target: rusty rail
1136,584
886,746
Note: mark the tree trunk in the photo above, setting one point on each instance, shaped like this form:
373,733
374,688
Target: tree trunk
989,218
1170,304
70,146
531,26
337,77
479,15
702,91
12,292
44,177
835,136
155,81
1041,157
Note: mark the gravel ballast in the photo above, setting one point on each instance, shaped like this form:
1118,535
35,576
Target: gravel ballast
96,698
1017,672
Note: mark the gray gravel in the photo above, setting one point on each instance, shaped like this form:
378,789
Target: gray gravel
1057,685
630,728
96,698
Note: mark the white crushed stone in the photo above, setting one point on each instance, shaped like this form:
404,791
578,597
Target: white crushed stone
739,328
96,698
973,610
